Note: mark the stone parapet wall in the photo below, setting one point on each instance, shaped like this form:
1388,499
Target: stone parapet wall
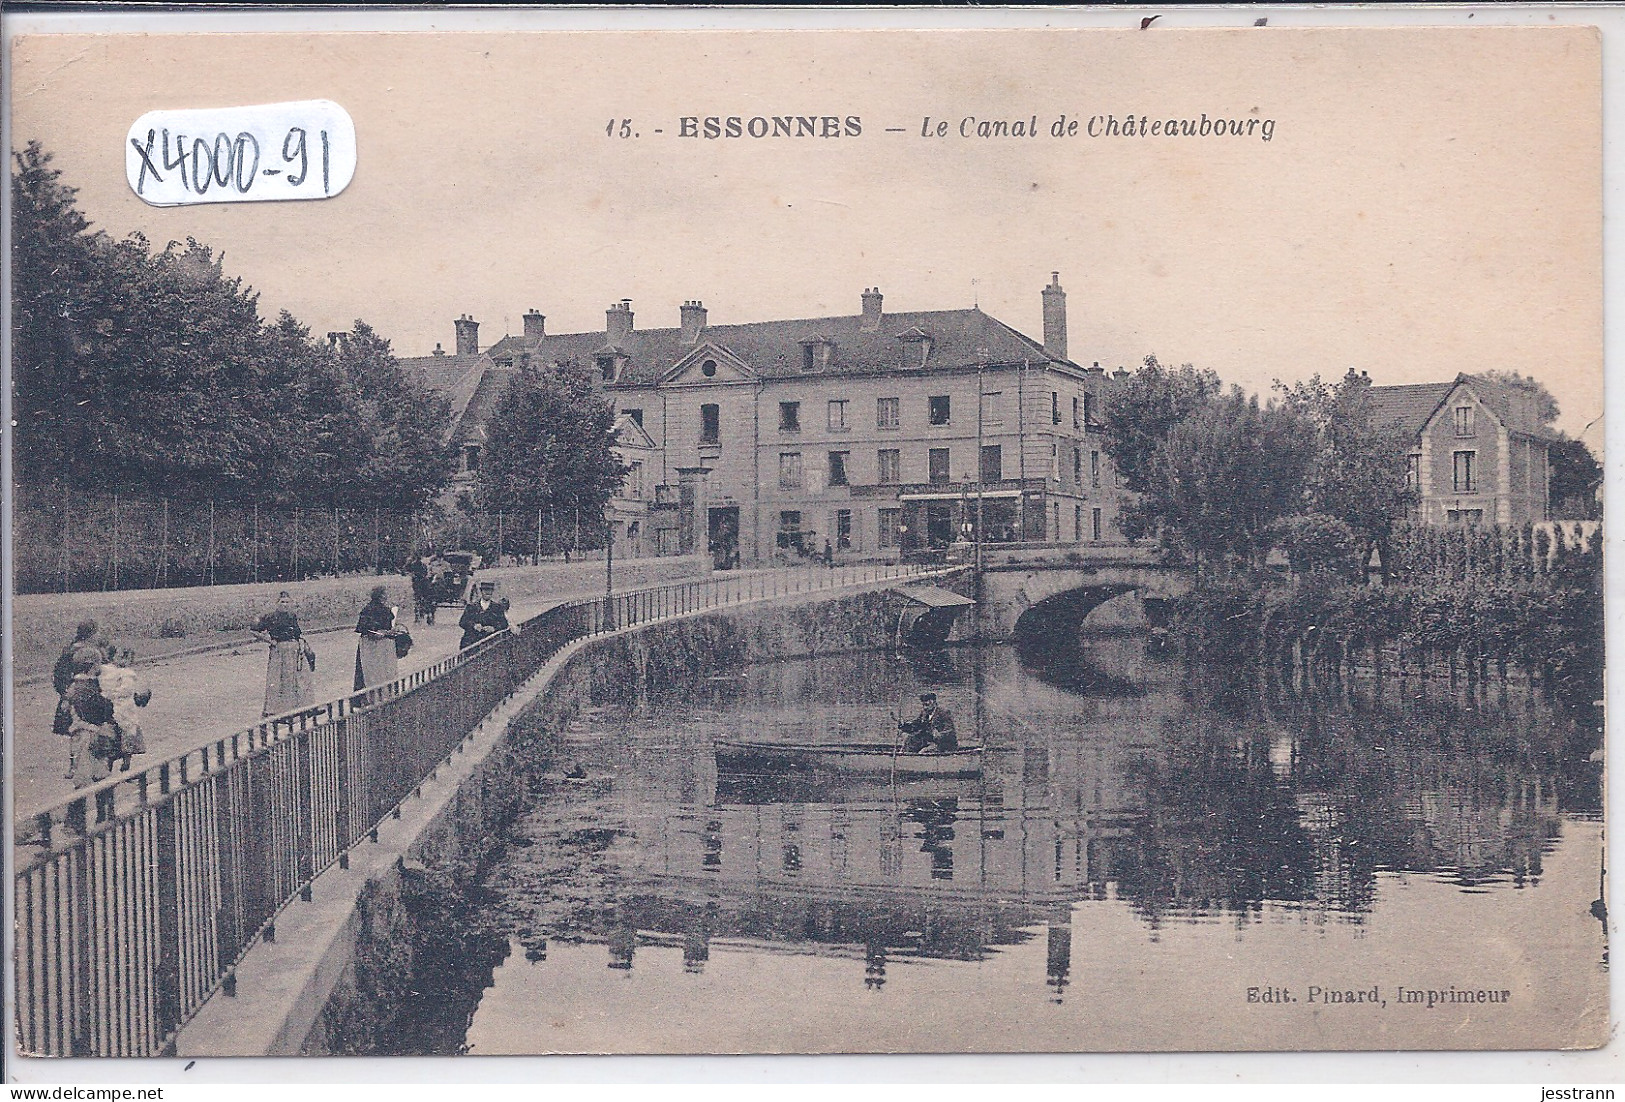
163,621
332,981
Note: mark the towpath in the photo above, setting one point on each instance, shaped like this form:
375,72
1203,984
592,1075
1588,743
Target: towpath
198,698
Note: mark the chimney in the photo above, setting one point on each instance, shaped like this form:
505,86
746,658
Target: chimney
618,320
468,336
693,315
1055,317
1096,369
871,309
438,351
535,325
1120,374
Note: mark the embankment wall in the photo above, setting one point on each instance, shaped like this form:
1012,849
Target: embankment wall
334,979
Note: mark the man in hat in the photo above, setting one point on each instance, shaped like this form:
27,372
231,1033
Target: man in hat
932,731
483,618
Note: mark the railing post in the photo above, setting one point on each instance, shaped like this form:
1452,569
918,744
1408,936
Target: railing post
167,978
305,827
227,825
77,1013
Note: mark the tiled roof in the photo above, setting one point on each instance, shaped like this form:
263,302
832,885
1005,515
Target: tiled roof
509,346
1412,405
457,377
959,338
476,414
1408,406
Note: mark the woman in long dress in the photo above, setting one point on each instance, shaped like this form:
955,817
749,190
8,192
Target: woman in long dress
375,662
290,675
92,744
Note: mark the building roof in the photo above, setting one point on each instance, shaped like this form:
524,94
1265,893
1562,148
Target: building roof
476,414
1413,405
932,596
629,433
958,338
457,377
1410,406
510,346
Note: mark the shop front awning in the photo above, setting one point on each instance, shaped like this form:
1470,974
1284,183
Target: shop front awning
959,495
933,596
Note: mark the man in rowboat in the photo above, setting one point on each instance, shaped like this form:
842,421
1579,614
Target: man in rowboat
932,731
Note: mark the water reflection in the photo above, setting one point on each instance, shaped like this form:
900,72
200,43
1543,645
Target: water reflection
1146,798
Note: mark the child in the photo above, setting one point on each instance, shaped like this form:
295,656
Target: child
127,692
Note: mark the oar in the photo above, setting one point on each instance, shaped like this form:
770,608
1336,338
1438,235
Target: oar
897,744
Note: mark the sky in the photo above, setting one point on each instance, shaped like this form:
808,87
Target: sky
1429,201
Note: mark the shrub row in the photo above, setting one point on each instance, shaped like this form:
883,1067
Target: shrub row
1548,620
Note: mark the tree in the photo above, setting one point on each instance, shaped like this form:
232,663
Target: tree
550,445
1359,468
403,460
1138,417
1227,473
1575,478
1319,544
151,373
1136,421
1543,404
54,254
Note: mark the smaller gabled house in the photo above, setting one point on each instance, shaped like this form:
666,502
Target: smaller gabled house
641,525
474,381
1478,450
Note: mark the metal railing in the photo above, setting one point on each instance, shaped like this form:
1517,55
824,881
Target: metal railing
137,898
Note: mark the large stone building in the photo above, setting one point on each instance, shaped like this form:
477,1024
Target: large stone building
877,432
1478,450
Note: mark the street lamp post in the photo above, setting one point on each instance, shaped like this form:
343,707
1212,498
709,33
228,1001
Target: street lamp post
609,568
981,485
981,473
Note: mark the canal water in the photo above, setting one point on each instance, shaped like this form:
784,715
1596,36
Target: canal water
1140,866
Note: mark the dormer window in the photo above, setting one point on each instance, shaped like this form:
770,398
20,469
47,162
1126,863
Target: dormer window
916,347
606,367
816,353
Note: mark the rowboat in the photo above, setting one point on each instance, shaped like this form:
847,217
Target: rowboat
768,758
853,790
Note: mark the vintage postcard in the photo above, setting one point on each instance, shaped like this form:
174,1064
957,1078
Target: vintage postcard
841,541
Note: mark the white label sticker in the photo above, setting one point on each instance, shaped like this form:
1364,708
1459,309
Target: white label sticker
303,150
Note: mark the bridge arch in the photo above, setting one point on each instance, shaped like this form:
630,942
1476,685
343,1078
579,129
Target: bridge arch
1063,614
1046,599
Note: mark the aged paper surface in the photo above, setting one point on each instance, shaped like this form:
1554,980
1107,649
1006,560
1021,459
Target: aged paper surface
1408,861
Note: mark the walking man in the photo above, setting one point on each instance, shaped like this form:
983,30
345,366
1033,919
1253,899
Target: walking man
482,618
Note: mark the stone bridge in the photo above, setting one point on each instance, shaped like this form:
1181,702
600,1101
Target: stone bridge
1050,591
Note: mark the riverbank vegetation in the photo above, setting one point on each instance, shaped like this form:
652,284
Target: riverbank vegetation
1294,513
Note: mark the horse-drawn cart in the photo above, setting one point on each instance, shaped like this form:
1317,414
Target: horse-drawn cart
448,581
